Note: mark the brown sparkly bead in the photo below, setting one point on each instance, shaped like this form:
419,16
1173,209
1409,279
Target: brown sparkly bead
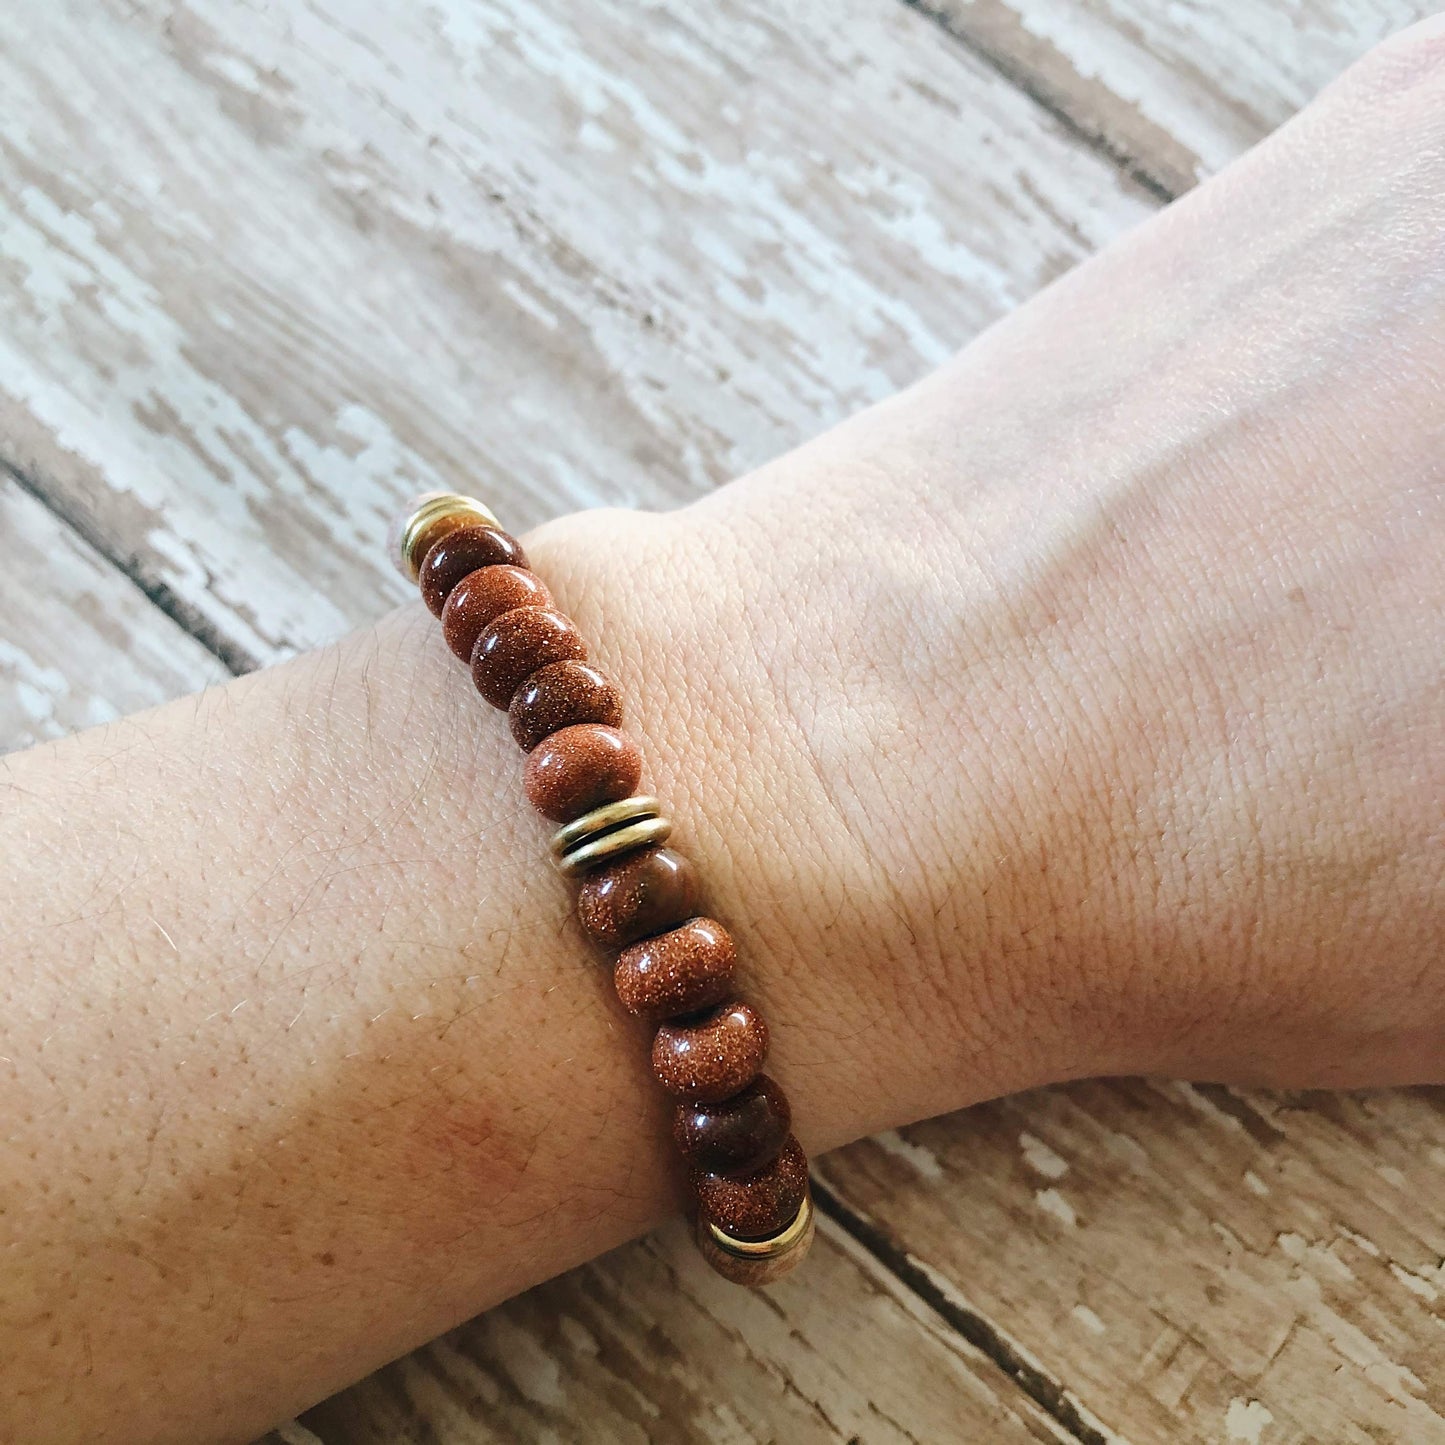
755,1205
711,1057
579,769
639,895
484,594
460,551
680,972
737,1135
513,646
434,532
559,696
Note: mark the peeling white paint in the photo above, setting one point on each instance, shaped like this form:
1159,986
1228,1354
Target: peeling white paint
923,1160
1054,1203
1041,1159
1246,1421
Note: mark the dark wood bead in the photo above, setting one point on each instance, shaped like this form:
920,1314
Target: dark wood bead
461,551
678,972
758,1204
639,895
484,594
579,769
513,646
739,1134
712,1056
559,696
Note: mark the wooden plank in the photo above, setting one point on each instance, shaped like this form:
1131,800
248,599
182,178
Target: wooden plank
1199,1264
79,644
550,251
648,1344
1174,92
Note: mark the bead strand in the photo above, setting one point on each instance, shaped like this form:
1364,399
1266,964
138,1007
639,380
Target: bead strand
674,966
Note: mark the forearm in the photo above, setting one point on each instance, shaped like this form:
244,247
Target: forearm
300,1031
293,1019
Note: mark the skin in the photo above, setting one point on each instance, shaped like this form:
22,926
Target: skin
1078,711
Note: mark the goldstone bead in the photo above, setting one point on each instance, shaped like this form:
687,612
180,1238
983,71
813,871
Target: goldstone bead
558,696
678,972
737,1135
580,768
712,1056
760,1203
513,646
460,551
484,594
639,895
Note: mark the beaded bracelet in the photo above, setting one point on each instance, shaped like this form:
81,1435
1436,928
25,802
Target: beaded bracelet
637,898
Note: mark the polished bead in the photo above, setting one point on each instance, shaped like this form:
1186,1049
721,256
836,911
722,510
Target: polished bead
760,1203
559,696
484,594
460,551
580,768
737,1135
425,520
712,1056
678,972
513,646
639,895
760,1261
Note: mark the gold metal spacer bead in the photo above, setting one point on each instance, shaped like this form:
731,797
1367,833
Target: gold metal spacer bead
429,509
608,832
641,834
758,1261
609,815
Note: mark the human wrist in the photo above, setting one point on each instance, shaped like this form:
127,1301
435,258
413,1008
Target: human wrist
881,1012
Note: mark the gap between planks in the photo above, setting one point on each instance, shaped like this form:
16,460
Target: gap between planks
1130,166
235,658
1052,1396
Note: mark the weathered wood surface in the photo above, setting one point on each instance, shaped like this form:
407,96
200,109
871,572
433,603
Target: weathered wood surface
1173,92
80,644
317,255
648,1344
1193,1263
298,272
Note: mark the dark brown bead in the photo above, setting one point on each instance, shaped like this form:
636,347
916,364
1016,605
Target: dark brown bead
756,1205
680,972
459,552
560,696
637,896
513,646
435,530
484,594
711,1057
737,1135
579,769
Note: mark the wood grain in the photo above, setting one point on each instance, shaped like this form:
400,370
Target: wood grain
79,643
293,277
1192,1260
617,253
1173,92
648,1344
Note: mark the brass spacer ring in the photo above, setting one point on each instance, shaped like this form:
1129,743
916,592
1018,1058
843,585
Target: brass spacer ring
609,815
432,508
613,844
756,1262
775,1244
